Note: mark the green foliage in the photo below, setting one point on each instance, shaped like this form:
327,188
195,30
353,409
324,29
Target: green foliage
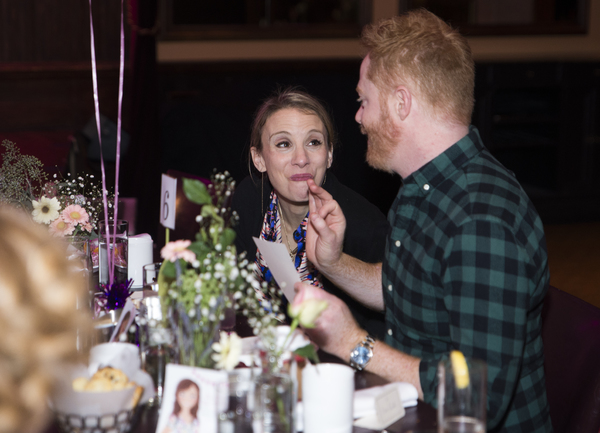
21,177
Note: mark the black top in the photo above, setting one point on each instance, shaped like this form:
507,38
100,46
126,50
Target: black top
365,237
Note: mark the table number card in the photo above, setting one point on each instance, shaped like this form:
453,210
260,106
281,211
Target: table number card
168,198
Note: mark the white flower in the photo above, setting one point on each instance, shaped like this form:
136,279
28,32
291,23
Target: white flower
46,210
308,311
228,351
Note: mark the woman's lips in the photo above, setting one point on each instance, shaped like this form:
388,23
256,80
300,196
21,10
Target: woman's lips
301,177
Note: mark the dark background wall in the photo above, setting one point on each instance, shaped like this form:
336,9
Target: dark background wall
541,119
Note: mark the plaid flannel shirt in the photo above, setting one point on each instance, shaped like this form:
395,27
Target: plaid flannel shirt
466,268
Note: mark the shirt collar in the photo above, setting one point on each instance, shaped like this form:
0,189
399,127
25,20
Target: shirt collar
432,174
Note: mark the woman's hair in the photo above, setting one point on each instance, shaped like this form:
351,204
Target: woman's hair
289,98
420,49
38,319
183,385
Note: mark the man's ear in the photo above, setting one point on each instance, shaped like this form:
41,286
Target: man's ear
402,100
258,160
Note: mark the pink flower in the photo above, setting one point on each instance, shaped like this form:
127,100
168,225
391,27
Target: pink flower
61,228
87,227
75,214
178,250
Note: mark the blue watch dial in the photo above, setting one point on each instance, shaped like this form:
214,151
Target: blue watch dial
362,355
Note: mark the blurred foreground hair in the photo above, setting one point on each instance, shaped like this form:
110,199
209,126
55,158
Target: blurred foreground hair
38,319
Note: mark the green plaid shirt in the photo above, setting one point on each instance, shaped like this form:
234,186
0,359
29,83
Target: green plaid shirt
466,268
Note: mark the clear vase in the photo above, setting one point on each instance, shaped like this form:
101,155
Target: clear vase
237,404
275,402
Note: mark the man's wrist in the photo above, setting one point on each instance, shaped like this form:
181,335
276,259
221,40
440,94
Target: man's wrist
362,353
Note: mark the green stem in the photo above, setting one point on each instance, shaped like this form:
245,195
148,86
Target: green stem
293,327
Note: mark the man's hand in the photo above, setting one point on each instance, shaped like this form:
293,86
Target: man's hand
325,231
335,330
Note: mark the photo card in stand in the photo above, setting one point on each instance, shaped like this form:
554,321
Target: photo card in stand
125,321
183,385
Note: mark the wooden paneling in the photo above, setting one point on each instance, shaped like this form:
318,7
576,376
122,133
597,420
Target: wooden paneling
58,30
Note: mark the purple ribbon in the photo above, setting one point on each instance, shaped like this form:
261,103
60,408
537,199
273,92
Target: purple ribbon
109,251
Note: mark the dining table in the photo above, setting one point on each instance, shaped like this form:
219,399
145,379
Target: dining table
421,418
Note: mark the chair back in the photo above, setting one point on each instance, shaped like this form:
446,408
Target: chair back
571,336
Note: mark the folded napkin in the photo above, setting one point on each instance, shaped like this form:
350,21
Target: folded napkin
364,399
379,407
365,414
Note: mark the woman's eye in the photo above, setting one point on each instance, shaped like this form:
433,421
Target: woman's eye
315,142
283,144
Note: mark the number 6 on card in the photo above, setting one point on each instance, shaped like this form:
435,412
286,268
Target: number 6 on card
168,196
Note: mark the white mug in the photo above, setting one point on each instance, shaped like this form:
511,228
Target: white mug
328,398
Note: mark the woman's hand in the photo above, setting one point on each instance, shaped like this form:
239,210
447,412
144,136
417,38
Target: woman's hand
325,231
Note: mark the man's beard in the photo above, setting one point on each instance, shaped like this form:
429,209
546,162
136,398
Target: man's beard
383,138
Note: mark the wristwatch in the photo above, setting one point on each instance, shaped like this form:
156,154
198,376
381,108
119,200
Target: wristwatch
362,353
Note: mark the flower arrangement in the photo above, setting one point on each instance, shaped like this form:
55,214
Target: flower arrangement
200,279
70,206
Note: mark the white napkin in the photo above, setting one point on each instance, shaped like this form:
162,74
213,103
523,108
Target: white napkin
364,405
365,413
364,399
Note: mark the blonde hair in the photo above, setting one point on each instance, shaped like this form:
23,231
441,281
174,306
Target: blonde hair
419,48
38,319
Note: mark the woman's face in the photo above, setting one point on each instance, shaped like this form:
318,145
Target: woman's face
293,151
188,398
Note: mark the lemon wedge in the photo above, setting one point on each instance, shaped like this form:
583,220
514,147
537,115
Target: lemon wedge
459,369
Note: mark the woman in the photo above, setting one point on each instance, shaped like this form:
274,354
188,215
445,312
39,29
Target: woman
292,140
184,417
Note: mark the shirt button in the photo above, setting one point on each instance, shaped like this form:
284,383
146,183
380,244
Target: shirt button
390,332
398,243
390,287
426,187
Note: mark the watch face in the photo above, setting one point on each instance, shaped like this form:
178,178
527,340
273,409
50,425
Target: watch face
361,355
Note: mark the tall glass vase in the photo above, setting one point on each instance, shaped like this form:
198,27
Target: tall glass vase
237,404
275,402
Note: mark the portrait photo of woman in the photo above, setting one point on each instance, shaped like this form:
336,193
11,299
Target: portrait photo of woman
184,418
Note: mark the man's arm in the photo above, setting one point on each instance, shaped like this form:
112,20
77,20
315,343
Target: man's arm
337,332
324,243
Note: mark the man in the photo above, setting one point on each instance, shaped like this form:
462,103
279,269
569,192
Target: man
466,263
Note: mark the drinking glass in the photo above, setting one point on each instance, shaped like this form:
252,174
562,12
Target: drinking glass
150,276
118,245
156,343
462,408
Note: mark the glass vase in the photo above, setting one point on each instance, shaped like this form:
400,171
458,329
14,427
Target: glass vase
275,403
237,403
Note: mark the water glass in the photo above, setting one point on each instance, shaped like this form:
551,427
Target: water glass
462,408
118,245
156,343
150,276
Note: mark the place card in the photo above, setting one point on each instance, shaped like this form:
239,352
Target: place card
279,263
168,196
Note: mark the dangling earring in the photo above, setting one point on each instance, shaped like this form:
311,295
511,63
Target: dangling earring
262,191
